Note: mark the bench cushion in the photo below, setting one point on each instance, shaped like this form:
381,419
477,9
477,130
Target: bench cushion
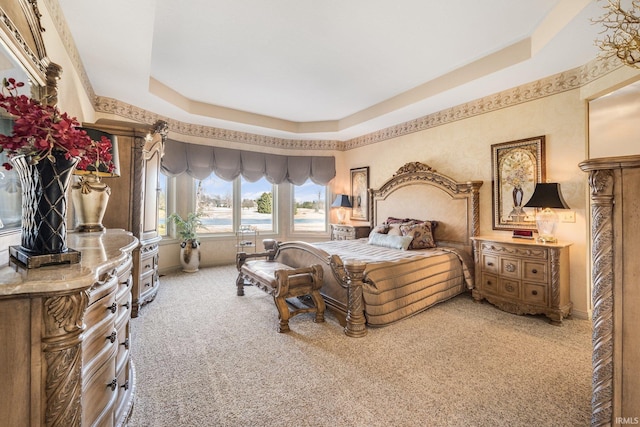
263,271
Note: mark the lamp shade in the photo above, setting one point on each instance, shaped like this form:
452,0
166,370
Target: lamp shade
341,201
103,170
547,195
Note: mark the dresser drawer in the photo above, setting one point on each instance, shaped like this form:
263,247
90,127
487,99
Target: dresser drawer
490,263
122,336
148,263
489,283
99,396
509,288
535,293
125,388
148,283
535,271
510,267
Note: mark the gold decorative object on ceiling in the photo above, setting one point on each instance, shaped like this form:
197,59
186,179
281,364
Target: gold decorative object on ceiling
621,23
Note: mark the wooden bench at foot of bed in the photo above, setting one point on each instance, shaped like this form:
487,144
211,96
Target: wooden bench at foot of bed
282,282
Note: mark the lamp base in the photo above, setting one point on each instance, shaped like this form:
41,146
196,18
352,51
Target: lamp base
30,260
82,228
90,197
546,239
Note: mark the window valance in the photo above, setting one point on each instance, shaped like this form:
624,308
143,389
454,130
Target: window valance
199,161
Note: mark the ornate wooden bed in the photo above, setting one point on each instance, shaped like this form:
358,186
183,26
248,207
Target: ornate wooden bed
365,288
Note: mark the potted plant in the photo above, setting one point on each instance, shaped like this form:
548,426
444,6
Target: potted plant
190,246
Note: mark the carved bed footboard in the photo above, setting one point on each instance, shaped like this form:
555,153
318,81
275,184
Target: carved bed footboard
343,282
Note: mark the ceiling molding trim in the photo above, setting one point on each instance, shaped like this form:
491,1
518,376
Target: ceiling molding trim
118,108
70,45
558,83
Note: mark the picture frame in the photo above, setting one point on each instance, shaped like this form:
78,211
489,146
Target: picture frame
359,194
517,166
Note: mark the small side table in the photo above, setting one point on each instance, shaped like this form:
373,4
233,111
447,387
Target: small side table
349,231
523,276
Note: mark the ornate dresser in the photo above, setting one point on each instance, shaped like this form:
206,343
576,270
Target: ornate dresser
523,276
65,358
615,294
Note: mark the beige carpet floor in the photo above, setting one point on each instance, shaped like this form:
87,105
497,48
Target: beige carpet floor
206,357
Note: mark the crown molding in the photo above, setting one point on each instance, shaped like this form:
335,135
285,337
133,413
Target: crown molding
69,44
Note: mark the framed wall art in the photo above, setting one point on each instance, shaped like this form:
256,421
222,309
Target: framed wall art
359,194
517,167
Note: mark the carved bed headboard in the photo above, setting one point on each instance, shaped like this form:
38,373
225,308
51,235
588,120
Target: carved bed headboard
418,191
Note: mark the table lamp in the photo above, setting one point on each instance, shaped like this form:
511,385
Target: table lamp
341,202
547,197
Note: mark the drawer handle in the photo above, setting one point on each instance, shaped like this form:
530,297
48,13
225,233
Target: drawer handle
113,384
509,288
534,271
126,305
125,385
490,264
534,292
125,343
147,266
510,268
113,307
147,284
489,282
112,337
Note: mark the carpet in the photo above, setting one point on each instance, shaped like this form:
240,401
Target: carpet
206,357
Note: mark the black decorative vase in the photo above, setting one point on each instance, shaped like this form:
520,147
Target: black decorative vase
44,210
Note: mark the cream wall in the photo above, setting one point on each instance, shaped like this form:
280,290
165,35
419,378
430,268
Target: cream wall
462,150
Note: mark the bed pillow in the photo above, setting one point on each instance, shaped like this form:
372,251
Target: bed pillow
390,241
380,229
421,235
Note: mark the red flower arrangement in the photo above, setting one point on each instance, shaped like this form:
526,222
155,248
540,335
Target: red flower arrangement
39,129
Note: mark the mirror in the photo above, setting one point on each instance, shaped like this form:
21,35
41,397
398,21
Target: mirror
22,57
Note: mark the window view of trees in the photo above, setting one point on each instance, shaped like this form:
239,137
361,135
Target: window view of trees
258,212
309,207
214,199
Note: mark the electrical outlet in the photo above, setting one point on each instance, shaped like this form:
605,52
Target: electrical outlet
567,216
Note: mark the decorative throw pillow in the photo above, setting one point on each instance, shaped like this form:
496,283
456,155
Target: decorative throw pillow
390,241
381,229
394,229
421,235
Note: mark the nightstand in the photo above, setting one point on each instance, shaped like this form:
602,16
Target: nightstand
349,232
523,276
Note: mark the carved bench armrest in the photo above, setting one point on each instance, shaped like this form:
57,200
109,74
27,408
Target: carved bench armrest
284,277
242,257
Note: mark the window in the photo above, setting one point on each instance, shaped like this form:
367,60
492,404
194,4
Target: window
162,204
226,204
214,198
309,207
257,207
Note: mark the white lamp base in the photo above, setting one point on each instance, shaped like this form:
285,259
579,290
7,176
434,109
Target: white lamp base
90,198
547,222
